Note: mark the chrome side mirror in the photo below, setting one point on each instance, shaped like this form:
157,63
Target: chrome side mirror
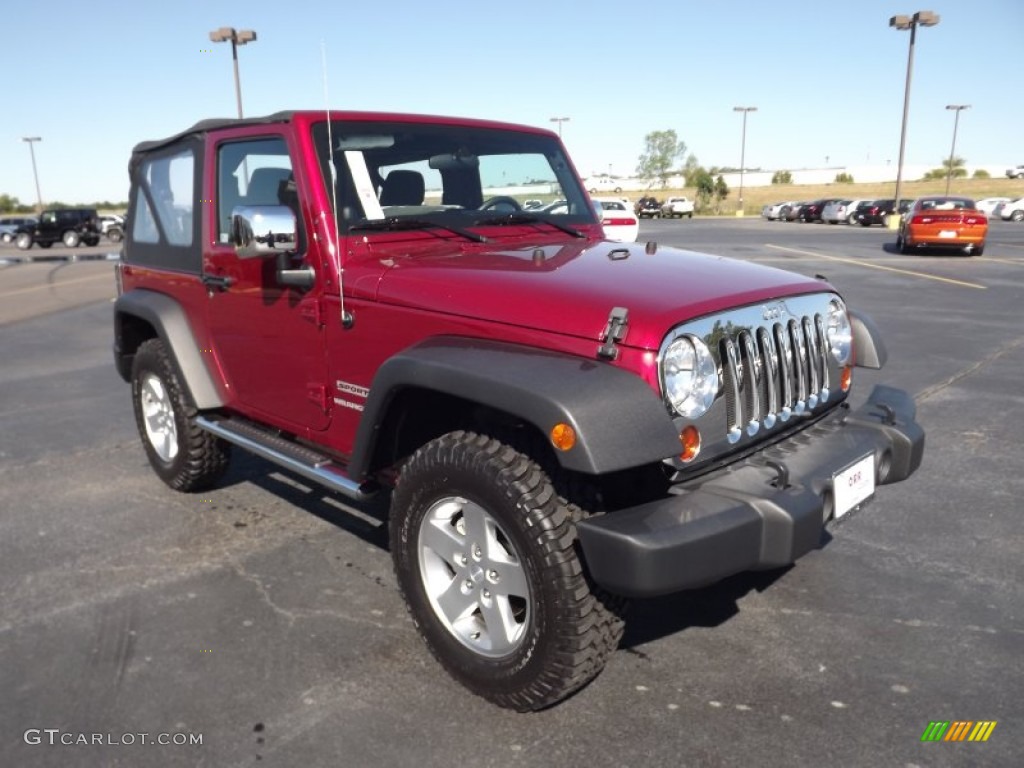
260,231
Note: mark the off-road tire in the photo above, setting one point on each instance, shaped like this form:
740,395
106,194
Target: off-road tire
568,629
71,239
23,241
115,235
1017,216
196,459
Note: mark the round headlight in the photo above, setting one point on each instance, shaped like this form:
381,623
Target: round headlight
690,376
839,332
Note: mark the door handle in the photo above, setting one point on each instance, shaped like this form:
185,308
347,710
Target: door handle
220,282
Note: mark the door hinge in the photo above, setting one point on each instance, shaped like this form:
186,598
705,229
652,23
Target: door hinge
313,311
614,332
317,393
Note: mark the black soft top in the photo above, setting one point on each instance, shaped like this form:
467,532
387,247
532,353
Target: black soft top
216,123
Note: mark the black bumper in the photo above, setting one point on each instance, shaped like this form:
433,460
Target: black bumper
742,518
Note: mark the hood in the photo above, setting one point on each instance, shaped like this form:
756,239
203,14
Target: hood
572,287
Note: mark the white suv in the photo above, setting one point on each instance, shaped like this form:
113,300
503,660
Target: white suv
1016,172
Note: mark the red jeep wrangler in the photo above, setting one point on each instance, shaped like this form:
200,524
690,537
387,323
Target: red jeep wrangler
563,422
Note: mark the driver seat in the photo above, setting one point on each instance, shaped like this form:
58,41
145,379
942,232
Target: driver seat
402,188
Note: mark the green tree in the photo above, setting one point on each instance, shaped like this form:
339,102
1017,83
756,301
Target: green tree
704,182
844,178
782,177
956,164
662,150
981,173
690,169
721,192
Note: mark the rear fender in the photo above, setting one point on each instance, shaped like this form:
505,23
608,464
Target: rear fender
168,319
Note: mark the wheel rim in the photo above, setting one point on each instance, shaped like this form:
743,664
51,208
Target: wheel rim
158,418
473,577
70,239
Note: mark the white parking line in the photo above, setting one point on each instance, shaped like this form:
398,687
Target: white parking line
859,263
61,284
1016,262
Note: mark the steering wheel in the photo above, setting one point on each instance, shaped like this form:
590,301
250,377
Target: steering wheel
501,201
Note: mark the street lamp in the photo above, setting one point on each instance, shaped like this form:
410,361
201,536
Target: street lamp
560,120
743,149
237,38
952,150
924,19
35,174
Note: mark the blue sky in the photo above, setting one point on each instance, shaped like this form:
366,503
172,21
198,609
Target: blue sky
827,78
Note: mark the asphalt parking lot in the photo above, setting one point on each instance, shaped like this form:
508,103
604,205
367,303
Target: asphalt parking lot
264,617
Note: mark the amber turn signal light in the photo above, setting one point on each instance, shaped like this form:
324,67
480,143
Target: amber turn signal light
690,439
846,378
563,437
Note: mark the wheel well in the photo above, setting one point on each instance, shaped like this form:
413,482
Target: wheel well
417,416
131,332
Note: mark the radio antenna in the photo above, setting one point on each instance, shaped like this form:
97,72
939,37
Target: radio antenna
347,320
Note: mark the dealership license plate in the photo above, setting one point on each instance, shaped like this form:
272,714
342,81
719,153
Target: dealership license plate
854,485
947,233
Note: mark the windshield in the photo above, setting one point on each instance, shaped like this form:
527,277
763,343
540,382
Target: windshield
409,173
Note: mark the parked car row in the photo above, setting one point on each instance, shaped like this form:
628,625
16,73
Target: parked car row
833,211
70,226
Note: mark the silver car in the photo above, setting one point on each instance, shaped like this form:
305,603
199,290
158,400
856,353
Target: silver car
8,224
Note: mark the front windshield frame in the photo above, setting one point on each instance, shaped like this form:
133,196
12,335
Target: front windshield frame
463,167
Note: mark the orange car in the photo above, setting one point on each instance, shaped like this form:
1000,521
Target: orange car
939,221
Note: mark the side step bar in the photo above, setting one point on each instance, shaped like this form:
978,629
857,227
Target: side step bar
286,453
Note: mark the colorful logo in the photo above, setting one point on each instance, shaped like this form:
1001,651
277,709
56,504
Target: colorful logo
958,730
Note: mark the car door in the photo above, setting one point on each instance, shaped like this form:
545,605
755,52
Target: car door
269,337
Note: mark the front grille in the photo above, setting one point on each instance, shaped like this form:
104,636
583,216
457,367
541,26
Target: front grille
774,365
773,372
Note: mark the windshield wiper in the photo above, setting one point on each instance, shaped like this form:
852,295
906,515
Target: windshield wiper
394,223
531,218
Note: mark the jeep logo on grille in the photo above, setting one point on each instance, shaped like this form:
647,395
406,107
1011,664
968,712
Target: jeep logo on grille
771,312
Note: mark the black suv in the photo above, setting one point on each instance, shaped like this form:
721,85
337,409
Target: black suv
648,207
72,226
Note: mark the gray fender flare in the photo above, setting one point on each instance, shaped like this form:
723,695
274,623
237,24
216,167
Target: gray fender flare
868,348
620,422
169,320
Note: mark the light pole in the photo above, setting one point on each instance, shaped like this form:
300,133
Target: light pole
237,38
743,150
958,108
560,120
35,174
925,19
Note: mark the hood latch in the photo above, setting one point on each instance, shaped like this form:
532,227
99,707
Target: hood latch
614,332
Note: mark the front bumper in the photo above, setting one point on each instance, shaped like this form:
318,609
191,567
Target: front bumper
763,512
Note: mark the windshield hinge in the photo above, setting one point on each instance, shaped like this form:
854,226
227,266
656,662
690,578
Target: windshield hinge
614,332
